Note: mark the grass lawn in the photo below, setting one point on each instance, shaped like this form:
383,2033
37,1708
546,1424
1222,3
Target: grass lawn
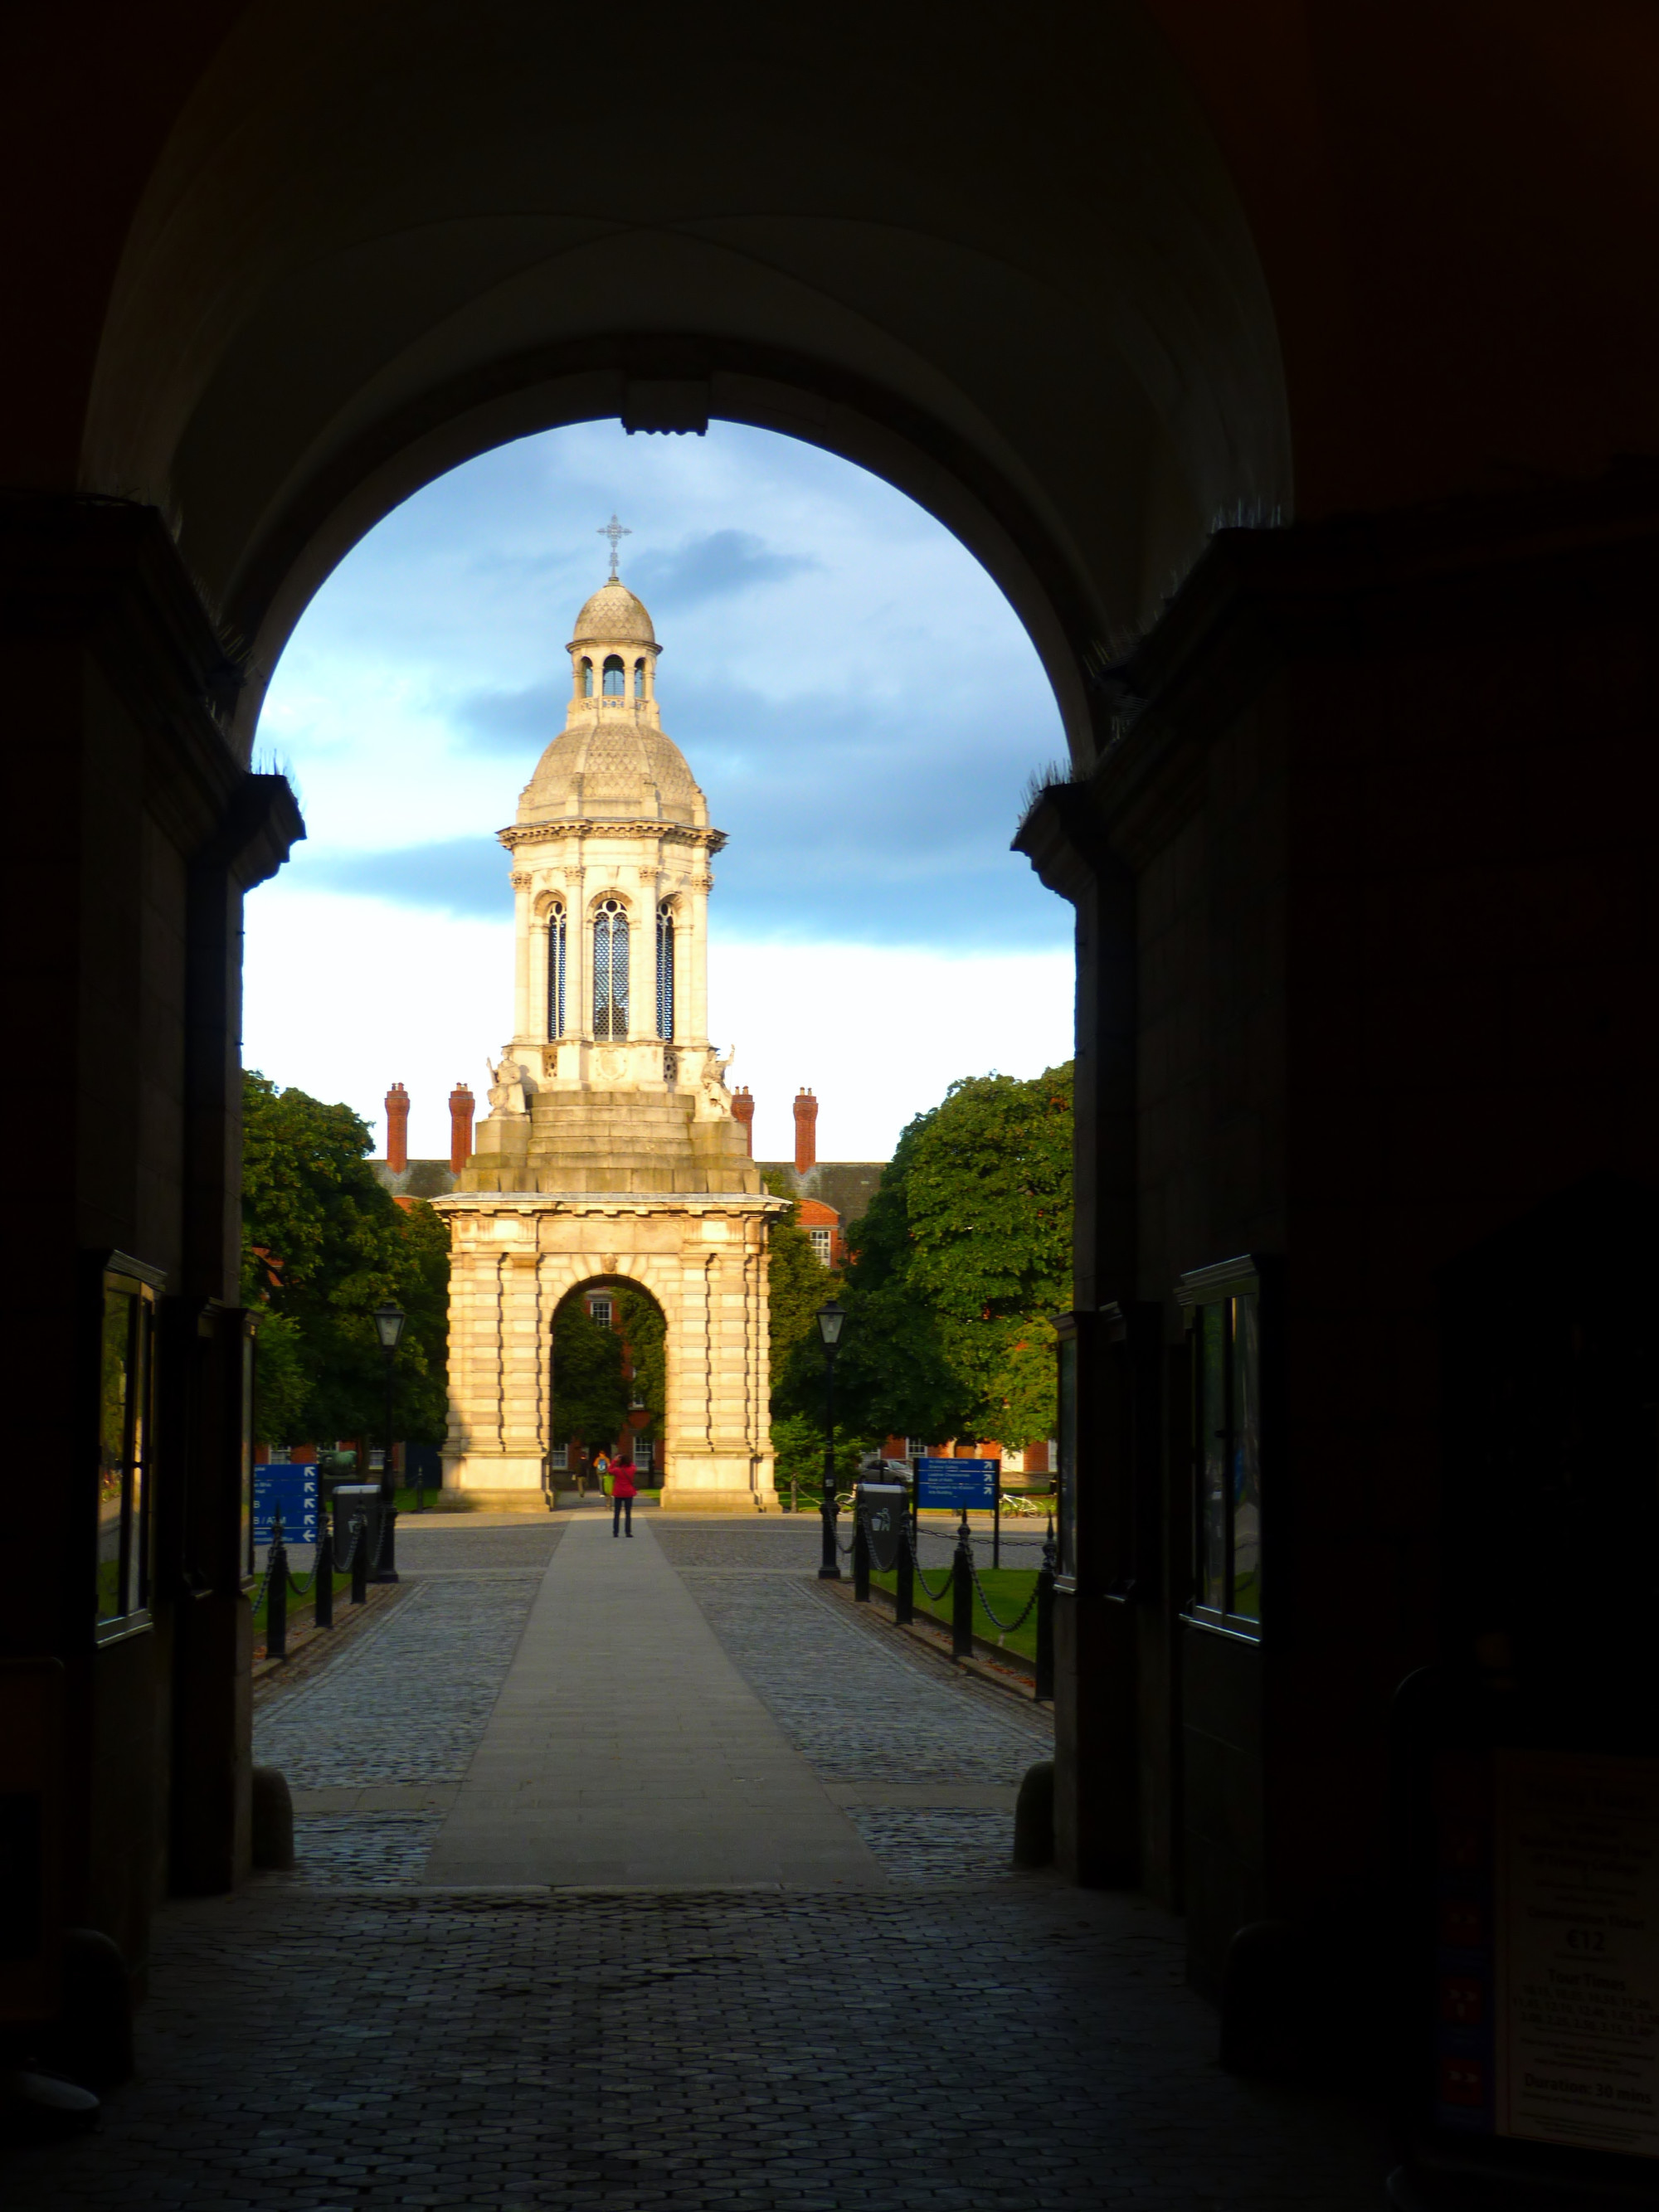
1007,1588
299,1608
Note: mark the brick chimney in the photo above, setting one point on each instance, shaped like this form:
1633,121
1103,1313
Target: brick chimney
460,1128
743,1109
396,1128
807,1131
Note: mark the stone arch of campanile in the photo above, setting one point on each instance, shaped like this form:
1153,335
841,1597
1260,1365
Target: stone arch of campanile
648,1271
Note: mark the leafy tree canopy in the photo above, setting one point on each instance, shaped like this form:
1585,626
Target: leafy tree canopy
639,1320
965,1250
590,1392
324,1242
799,1282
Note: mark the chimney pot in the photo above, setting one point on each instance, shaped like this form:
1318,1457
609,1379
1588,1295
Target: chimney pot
743,1111
460,1128
396,1128
807,1135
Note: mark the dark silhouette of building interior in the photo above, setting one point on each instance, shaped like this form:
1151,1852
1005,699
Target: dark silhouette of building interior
1293,371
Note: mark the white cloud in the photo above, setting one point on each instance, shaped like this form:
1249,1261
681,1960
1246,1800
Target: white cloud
345,996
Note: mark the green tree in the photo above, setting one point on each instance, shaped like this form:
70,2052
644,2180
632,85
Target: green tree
798,1282
590,1392
798,1448
639,1320
324,1242
964,1252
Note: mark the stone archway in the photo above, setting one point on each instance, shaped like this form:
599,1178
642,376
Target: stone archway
563,1431
701,1257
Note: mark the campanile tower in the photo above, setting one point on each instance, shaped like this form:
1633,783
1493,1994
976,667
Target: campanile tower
610,1153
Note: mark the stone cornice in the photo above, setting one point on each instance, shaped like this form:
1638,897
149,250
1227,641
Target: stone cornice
694,1202
587,826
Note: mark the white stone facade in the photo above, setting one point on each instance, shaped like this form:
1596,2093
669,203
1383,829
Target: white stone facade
609,1153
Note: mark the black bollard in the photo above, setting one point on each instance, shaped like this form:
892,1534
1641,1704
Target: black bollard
961,1595
359,1560
860,1556
1045,1621
322,1580
276,1593
904,1597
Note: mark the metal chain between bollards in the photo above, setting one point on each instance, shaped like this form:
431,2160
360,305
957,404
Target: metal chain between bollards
936,1594
1008,1627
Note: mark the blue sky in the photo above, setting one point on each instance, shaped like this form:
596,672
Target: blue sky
853,693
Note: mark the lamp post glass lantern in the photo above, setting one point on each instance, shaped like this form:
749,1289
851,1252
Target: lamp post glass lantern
830,1318
389,1328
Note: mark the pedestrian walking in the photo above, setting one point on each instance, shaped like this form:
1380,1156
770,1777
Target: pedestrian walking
624,1491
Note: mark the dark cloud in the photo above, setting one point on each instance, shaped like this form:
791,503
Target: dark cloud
522,722
717,567
458,876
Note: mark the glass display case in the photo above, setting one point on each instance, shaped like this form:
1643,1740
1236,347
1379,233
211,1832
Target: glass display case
126,1424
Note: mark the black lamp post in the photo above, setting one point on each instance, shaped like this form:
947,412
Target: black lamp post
830,1318
389,1328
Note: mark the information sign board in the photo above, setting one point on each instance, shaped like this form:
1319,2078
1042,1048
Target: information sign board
1577,1923
289,1490
957,1483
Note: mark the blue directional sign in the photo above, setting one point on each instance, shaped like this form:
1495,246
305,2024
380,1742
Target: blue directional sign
957,1483
290,1491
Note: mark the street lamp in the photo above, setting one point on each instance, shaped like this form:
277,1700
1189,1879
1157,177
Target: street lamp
830,1318
389,1328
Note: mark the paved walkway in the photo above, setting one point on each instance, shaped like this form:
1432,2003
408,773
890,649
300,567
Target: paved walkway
351,2038
626,1750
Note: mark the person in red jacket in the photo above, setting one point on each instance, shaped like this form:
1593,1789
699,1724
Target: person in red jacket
624,1491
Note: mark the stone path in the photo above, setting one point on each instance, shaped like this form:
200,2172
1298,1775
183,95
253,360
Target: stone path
352,2038
626,1749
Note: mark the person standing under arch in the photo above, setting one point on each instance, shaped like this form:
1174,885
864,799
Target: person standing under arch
624,1491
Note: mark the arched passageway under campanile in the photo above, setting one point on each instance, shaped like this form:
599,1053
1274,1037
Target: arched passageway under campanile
1289,388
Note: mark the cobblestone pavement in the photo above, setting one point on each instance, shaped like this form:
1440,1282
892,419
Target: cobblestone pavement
992,2051
987,2045
408,1701
859,1709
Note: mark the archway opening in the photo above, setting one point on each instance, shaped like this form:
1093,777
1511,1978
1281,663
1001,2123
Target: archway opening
607,1382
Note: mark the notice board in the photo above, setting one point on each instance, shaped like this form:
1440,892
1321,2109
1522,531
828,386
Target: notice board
1576,1950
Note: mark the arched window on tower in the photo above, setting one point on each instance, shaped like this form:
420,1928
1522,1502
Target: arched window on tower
639,679
587,677
555,955
615,677
665,971
610,971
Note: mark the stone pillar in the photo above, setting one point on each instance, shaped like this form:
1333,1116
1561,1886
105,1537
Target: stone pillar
696,1011
522,920
524,1375
742,1112
396,1128
460,1128
578,1009
806,1132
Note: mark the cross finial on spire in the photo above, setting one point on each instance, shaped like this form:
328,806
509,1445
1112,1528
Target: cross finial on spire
615,531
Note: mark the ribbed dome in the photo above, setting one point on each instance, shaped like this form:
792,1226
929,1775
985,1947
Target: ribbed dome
614,617
613,768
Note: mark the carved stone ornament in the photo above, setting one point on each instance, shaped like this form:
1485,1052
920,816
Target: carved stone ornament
607,1263
550,1059
612,1065
521,879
